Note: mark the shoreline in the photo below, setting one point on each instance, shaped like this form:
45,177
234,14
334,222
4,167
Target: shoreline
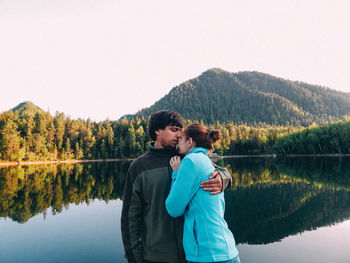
62,162
13,163
283,156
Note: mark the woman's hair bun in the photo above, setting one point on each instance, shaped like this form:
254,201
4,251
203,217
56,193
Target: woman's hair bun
201,136
214,135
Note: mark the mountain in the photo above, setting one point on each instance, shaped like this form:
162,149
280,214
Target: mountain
27,108
252,98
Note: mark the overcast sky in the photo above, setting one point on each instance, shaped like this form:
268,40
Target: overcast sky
102,59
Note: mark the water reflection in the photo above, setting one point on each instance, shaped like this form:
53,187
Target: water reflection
272,199
269,199
30,190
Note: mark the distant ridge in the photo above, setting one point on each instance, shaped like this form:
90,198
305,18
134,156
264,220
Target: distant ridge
27,108
252,98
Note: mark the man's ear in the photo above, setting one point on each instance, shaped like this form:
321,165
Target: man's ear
157,132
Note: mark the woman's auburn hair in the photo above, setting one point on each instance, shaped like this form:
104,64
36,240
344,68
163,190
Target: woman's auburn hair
202,136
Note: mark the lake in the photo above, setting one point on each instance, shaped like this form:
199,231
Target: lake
279,210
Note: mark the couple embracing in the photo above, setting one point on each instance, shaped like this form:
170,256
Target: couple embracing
173,210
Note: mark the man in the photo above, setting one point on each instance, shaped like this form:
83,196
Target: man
149,233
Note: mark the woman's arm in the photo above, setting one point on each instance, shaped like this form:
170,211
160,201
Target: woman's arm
185,183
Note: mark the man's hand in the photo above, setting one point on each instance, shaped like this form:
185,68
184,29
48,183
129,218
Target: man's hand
214,184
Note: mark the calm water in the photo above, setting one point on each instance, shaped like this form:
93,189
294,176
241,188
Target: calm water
286,210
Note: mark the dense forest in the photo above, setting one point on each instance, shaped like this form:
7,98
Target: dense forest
332,138
252,98
257,113
27,133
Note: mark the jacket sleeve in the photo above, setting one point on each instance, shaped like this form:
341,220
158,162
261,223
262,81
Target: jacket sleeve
185,183
225,176
131,217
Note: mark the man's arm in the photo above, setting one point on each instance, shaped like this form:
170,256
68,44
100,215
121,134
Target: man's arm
131,217
216,184
225,175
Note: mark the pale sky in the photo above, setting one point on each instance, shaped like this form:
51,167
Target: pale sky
102,59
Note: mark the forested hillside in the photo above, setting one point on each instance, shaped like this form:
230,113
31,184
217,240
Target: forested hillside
29,133
333,138
252,98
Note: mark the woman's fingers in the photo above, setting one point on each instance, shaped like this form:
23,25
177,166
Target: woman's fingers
175,159
175,162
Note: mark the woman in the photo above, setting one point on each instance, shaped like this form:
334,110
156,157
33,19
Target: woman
206,236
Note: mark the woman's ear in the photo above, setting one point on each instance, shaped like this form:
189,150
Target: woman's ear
190,142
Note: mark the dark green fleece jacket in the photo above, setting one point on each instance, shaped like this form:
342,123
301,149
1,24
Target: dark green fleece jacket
148,231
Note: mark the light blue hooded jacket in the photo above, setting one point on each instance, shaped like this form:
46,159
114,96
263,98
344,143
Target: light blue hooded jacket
206,235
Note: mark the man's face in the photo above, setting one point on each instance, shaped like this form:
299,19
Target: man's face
168,137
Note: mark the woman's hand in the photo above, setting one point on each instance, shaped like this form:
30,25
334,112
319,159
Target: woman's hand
175,162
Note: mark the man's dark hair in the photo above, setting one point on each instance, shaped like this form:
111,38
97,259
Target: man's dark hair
161,119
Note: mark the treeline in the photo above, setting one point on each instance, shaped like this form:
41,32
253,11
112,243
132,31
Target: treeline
243,139
40,136
331,139
35,135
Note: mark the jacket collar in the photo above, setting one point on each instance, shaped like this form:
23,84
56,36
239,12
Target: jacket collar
199,150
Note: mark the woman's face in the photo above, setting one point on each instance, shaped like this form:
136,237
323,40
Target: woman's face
184,145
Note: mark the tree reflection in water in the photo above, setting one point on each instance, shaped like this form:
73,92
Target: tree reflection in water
269,200
30,190
272,199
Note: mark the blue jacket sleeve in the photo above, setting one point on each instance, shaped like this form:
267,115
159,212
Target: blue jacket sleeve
185,183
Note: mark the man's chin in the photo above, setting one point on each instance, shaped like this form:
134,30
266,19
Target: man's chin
173,145
171,148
